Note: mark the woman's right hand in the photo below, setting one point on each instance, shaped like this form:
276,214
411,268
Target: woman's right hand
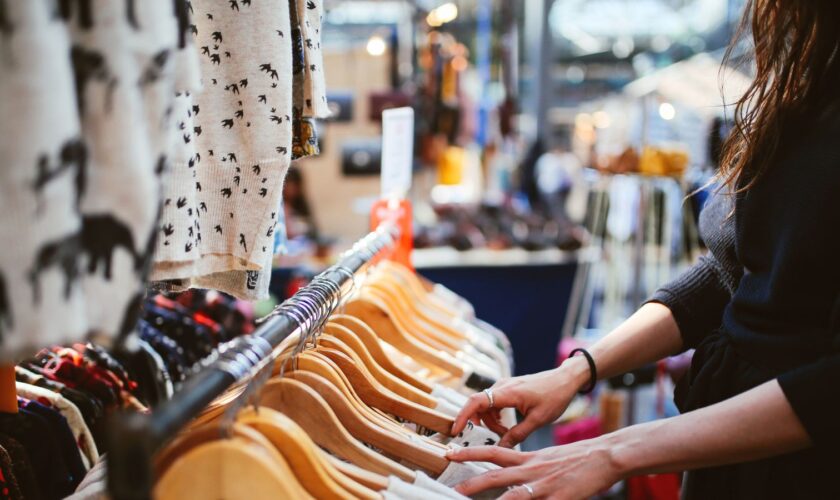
541,398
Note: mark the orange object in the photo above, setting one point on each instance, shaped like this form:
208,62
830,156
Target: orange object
399,212
8,391
451,166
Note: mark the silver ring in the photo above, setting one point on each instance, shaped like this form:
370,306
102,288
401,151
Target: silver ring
489,394
529,489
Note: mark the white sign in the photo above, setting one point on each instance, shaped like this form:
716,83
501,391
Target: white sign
397,151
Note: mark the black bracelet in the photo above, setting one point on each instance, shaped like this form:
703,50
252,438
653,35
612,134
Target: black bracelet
593,373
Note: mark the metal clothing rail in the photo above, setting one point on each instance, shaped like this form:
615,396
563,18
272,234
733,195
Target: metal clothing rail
134,438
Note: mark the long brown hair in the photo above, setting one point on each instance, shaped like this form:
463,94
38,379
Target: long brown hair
797,64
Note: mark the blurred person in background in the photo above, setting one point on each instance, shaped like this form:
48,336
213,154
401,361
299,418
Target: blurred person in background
559,181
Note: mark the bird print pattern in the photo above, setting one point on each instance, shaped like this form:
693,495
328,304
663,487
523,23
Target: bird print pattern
232,172
85,157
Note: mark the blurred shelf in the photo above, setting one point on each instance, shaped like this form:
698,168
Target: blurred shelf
449,257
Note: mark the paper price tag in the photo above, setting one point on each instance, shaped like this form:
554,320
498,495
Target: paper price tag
397,151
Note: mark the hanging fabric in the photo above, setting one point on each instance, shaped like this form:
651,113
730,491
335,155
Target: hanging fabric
221,207
85,126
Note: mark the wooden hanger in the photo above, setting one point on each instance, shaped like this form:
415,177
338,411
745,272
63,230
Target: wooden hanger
371,342
378,396
192,438
384,377
239,467
325,367
416,307
410,322
374,313
418,286
347,473
436,333
433,336
382,401
309,409
426,309
390,443
393,278
371,480
300,453
314,361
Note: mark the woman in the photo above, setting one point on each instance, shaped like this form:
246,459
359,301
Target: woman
761,403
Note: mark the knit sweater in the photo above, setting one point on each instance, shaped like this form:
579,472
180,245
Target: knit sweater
85,137
771,281
262,77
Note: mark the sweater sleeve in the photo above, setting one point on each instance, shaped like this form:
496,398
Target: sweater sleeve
696,299
813,392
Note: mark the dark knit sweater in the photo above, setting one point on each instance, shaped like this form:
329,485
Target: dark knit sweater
771,281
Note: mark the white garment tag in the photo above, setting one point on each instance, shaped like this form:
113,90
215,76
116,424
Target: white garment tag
397,151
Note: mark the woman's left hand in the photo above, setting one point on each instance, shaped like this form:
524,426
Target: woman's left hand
573,471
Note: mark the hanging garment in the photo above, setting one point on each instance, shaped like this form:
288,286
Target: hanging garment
48,466
309,100
22,468
9,489
422,487
81,432
458,472
91,408
64,439
85,141
421,480
220,208
94,485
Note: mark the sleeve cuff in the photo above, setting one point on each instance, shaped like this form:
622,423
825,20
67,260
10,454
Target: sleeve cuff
696,299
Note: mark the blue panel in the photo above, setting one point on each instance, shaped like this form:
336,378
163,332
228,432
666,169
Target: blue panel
528,303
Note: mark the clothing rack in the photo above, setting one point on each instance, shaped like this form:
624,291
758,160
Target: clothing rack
134,438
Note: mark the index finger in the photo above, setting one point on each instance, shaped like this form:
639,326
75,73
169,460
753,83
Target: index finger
477,403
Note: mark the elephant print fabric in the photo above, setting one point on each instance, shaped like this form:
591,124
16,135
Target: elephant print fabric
85,137
220,205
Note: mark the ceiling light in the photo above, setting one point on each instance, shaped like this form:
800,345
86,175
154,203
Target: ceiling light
667,111
376,46
442,14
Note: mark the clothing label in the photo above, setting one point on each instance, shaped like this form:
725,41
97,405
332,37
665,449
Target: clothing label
397,151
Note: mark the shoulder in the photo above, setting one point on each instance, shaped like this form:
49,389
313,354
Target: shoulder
717,209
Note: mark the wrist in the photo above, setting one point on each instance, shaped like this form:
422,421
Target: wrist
632,449
577,370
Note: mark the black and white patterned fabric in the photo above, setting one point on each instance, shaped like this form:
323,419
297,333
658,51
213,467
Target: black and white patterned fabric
221,206
85,131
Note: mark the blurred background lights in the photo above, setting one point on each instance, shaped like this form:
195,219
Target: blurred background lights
667,111
442,14
376,45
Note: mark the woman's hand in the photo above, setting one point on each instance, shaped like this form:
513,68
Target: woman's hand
541,398
573,471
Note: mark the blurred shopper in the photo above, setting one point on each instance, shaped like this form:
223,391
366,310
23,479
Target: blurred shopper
761,402
559,182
